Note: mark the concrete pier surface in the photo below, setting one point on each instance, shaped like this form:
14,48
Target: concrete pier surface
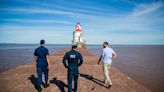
24,78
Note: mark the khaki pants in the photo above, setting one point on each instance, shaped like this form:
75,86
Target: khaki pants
107,79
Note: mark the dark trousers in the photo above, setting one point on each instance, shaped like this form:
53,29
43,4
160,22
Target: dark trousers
41,70
70,76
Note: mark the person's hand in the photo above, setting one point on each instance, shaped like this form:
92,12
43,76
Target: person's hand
114,56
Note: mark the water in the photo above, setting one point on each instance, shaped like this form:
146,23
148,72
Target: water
145,64
12,55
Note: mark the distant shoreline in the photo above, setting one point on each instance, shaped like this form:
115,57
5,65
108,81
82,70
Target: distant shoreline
87,44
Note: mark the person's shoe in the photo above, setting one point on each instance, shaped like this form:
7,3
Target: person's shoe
46,85
109,85
104,81
39,89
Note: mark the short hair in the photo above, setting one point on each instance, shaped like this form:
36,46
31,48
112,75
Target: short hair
106,43
74,46
42,42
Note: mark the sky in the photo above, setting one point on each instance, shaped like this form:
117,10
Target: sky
137,22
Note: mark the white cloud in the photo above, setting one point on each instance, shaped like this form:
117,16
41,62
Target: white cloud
34,37
37,21
18,28
138,26
144,9
83,7
35,11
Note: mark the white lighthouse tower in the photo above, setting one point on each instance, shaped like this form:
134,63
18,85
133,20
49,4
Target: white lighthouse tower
78,38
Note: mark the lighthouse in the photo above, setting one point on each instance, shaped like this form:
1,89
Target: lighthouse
78,38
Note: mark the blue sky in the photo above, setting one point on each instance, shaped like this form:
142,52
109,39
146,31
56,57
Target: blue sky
115,21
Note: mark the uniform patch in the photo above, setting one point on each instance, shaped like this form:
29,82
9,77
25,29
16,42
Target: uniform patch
72,56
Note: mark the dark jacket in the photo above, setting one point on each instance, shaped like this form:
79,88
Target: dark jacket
72,57
41,53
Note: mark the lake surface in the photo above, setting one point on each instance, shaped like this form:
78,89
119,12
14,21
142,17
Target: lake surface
145,64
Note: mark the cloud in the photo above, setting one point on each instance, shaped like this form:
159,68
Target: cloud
122,22
30,36
37,21
144,9
71,8
35,11
35,28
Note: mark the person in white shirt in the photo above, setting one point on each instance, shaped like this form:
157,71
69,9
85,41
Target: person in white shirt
108,54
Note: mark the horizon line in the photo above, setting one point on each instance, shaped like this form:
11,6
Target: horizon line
70,44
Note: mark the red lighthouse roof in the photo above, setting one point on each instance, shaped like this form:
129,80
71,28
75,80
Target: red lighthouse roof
78,27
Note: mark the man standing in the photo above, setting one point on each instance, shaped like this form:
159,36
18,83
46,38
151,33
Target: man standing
72,57
41,57
107,55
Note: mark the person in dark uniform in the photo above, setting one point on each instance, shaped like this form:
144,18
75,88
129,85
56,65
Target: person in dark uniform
74,59
41,57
